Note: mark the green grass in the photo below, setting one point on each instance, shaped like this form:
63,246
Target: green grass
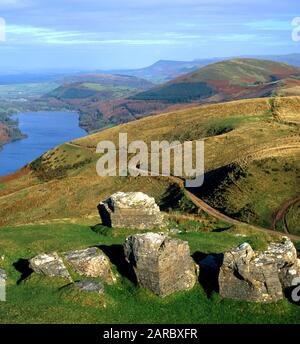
214,127
118,91
44,300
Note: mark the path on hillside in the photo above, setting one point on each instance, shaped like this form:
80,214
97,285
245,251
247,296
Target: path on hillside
281,213
217,214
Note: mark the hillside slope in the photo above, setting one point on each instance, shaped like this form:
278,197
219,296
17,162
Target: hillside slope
228,80
252,155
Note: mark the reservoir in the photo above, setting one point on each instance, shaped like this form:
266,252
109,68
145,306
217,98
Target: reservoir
45,130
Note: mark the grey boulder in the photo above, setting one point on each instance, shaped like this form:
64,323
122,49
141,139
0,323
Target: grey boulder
49,264
131,210
161,264
91,262
259,276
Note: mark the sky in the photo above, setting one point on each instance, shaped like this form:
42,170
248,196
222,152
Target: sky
121,34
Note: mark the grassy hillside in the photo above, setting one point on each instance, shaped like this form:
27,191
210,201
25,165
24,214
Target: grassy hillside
242,70
85,90
114,80
228,80
99,86
252,154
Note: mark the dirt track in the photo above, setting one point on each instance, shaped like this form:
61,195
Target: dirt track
282,212
215,213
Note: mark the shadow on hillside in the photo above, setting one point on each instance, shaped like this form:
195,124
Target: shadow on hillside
22,266
209,270
117,257
212,181
221,229
171,198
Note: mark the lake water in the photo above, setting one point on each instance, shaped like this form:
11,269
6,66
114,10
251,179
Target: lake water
45,130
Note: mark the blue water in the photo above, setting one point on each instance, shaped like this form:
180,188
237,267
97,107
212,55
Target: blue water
45,130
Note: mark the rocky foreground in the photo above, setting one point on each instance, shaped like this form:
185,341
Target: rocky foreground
163,264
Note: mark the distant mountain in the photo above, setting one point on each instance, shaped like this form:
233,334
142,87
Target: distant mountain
166,70
228,80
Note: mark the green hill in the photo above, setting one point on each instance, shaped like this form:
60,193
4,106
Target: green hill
227,80
100,86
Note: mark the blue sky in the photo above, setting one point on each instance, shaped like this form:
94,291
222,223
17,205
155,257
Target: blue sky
107,34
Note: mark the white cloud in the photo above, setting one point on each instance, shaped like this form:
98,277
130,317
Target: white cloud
18,34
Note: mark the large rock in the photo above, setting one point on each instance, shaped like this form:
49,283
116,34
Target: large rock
161,264
131,210
91,262
259,276
49,264
284,255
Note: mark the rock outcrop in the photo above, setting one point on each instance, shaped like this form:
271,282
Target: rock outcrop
91,262
90,286
284,255
259,276
161,264
131,210
49,264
